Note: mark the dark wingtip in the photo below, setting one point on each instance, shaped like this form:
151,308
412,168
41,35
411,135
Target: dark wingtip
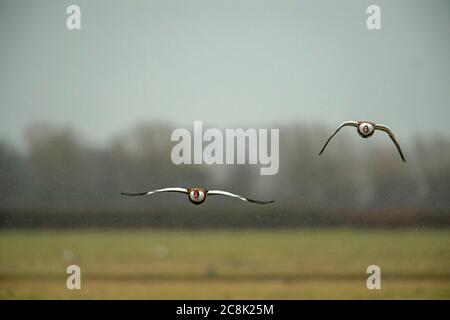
260,202
133,194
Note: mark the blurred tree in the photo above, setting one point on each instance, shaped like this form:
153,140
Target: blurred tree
59,172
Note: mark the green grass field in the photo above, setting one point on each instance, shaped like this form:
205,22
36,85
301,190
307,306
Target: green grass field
273,264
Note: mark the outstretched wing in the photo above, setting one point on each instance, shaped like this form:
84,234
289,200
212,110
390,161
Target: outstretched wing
181,190
391,135
344,124
229,194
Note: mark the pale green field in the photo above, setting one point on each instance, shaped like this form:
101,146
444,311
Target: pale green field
280,264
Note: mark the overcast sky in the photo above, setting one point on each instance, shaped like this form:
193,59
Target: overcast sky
229,63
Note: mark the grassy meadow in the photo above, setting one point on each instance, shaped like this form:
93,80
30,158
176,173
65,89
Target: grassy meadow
220,264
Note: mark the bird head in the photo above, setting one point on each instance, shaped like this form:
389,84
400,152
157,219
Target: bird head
366,129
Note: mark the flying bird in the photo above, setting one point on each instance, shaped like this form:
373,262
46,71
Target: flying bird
366,129
196,195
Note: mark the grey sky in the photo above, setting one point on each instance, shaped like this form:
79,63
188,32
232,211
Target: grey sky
228,63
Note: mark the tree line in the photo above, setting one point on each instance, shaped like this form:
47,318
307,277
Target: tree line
62,180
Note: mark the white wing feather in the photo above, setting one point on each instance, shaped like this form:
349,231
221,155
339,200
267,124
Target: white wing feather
182,190
229,194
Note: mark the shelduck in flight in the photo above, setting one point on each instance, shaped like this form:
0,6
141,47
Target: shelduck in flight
366,129
196,195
